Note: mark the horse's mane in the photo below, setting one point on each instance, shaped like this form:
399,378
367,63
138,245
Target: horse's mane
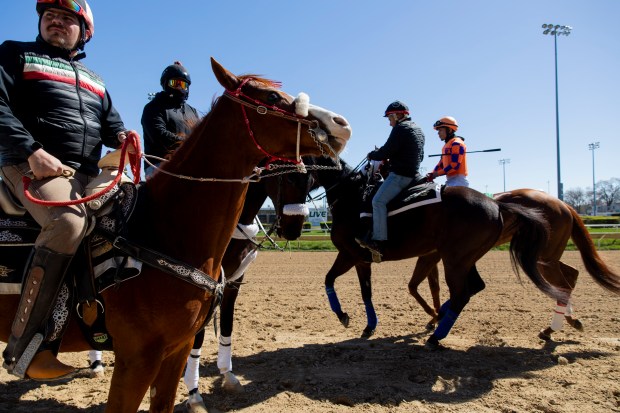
261,81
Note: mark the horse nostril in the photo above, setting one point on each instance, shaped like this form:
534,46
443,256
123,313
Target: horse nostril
340,121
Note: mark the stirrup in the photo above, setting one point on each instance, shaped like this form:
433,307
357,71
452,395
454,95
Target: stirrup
24,361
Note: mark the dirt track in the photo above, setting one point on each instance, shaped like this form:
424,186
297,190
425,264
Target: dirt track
292,354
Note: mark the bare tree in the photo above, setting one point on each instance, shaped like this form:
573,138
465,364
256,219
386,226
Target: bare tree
576,197
608,191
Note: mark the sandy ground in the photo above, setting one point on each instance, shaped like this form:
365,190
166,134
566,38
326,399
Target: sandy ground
292,354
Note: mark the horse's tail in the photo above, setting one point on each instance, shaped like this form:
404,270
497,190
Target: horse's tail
594,264
530,235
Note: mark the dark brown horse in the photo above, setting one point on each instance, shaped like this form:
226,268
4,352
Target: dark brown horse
193,206
564,223
288,193
460,229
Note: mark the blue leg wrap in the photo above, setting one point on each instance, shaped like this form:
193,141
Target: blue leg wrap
443,308
445,325
371,315
334,303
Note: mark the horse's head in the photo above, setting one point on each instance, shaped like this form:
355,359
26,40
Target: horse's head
342,184
288,193
295,128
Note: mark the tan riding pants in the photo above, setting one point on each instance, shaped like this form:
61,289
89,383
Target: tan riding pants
62,227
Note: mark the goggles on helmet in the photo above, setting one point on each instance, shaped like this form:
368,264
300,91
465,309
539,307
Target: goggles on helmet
178,84
65,4
440,124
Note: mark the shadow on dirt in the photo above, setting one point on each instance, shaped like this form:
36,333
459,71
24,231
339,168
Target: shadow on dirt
383,371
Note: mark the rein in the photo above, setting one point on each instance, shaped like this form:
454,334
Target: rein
261,109
134,160
318,134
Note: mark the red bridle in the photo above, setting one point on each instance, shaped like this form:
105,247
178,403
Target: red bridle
263,109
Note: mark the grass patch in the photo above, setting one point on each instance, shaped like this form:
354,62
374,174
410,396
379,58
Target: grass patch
326,245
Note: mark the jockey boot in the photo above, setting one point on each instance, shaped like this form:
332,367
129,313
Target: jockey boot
23,355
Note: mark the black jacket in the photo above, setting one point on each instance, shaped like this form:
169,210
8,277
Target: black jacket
166,121
404,148
52,101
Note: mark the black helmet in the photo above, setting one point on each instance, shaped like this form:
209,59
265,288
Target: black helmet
174,71
396,107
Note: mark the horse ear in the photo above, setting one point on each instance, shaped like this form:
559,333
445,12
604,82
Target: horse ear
226,79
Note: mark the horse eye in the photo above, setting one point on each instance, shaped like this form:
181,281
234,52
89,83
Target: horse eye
273,97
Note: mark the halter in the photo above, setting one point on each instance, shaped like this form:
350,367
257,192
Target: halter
319,135
314,129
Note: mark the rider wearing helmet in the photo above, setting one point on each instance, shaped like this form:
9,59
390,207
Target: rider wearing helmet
55,117
404,149
453,160
167,119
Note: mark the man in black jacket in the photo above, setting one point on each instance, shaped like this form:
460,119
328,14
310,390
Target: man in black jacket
405,150
55,115
167,119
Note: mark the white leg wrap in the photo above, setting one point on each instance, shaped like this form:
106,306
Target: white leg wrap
224,354
94,355
191,370
569,309
558,317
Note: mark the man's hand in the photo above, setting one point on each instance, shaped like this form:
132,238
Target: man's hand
44,165
430,176
122,136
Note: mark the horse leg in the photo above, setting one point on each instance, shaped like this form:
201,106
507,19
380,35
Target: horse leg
230,383
164,387
364,277
572,321
96,368
194,403
426,266
130,372
460,293
342,264
565,277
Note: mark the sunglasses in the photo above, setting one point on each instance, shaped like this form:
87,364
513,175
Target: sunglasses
439,123
178,84
67,4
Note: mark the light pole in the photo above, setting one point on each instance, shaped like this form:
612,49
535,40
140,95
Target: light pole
555,31
503,163
592,147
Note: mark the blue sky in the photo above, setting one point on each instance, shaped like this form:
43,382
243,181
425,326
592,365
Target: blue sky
485,62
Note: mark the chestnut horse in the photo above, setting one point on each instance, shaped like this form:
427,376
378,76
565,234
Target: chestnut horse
193,204
460,229
288,193
564,223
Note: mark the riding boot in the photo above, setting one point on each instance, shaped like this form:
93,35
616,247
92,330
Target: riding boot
24,356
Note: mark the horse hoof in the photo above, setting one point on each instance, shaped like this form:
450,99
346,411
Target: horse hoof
96,370
231,384
575,323
432,344
344,320
368,332
545,334
196,407
195,404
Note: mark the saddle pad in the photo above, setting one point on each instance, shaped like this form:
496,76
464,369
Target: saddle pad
409,198
17,236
